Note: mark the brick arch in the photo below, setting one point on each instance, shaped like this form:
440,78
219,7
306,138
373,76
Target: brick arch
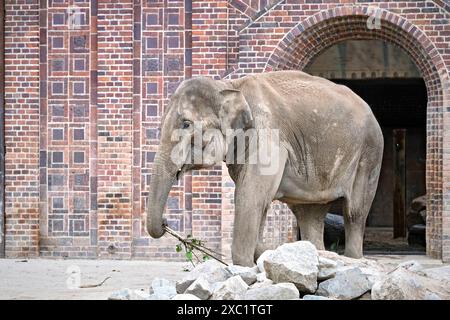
318,32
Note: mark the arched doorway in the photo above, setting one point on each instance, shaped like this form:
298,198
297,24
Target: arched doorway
388,80
321,31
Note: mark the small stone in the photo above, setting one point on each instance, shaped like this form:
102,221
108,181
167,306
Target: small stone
163,287
246,273
142,295
279,291
185,296
124,294
200,288
233,288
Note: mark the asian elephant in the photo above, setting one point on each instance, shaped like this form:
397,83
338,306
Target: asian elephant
330,147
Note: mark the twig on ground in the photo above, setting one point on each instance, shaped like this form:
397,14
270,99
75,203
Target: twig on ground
200,248
94,285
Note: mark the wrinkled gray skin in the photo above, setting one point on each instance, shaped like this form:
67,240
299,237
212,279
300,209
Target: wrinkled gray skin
331,148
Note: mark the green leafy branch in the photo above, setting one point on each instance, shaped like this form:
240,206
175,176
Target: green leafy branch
190,245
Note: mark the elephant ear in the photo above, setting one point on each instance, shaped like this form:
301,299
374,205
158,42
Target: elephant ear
235,111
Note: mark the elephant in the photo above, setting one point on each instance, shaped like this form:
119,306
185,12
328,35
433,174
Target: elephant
329,148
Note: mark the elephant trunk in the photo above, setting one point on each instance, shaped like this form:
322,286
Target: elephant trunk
164,175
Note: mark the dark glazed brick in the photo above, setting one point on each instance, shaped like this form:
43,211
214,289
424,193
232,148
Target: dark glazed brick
78,43
56,225
57,157
79,88
58,203
152,43
58,42
173,19
58,87
58,111
152,88
78,157
150,156
80,179
173,42
58,134
152,134
58,65
79,111
58,19
152,111
152,65
78,134
173,64
55,181
172,87
152,19
173,203
79,203
79,65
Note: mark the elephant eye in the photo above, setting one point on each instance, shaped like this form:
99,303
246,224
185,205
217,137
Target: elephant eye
186,124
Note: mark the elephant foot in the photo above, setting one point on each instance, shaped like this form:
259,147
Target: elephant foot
243,260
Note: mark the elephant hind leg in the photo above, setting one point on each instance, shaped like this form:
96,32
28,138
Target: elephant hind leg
310,221
357,206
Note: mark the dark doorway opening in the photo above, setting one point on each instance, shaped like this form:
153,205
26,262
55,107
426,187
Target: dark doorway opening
400,107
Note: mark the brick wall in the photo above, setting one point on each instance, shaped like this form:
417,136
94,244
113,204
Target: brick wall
87,83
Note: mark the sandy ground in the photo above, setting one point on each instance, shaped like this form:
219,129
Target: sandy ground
56,279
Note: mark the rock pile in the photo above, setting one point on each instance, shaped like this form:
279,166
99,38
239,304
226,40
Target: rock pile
296,271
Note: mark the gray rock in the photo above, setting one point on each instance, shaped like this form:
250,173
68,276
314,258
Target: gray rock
162,286
312,297
211,270
279,291
185,296
262,258
200,288
327,268
233,288
348,283
404,284
246,273
295,262
124,294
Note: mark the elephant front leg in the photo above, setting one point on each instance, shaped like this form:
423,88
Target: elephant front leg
253,195
246,232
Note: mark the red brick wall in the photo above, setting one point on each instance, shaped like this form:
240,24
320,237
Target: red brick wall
84,103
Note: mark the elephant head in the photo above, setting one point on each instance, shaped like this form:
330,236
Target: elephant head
193,137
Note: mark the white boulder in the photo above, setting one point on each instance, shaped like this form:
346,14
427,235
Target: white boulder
295,262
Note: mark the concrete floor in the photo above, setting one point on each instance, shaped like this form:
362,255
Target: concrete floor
53,279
